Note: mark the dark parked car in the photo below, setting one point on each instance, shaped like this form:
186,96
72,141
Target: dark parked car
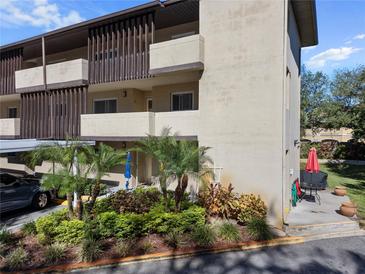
19,192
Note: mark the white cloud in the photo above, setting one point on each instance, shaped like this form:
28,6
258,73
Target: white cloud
348,42
359,36
334,54
37,13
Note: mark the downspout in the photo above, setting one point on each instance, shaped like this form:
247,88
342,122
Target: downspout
283,158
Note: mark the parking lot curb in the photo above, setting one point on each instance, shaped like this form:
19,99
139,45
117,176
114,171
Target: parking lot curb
167,255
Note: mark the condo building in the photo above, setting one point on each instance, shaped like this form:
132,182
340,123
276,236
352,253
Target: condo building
223,73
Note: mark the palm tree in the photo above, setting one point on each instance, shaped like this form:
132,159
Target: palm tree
101,160
66,157
187,160
160,148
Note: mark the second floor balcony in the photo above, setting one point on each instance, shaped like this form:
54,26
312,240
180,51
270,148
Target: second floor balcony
9,128
68,73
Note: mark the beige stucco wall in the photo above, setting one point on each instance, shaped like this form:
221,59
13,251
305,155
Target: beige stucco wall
10,127
67,71
167,33
161,95
241,95
177,52
4,105
291,165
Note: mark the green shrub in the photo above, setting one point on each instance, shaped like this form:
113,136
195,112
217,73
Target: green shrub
258,229
107,223
70,232
3,248
16,259
103,205
91,250
47,225
139,201
204,235
5,235
173,238
130,225
29,228
123,247
229,232
54,253
163,222
250,206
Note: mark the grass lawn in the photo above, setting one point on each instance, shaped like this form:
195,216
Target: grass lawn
350,176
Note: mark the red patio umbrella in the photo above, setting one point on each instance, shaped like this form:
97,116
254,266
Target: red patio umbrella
312,165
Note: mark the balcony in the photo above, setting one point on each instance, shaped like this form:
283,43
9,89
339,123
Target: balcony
134,125
9,128
182,54
63,74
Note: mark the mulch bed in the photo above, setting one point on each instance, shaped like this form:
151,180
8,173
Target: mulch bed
155,242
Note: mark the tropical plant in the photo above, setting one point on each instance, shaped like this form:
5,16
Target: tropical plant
124,247
16,259
160,147
46,225
101,160
5,235
54,253
219,200
250,206
258,229
204,235
229,232
70,232
90,250
174,238
67,177
146,247
29,228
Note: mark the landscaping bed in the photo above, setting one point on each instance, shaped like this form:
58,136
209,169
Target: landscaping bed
136,223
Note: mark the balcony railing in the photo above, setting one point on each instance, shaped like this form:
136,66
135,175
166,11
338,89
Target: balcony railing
134,125
69,73
9,128
180,54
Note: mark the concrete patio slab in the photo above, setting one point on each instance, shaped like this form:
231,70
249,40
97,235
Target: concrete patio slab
311,218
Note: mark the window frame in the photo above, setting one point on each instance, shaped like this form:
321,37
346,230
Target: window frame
16,110
105,99
178,93
147,101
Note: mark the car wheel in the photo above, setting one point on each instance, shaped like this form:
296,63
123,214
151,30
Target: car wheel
40,200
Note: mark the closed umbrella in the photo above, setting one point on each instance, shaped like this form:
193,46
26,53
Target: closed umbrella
312,165
127,173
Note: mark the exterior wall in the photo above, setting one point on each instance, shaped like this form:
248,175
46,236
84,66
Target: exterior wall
6,104
341,135
167,33
241,95
9,128
161,95
177,52
134,101
291,167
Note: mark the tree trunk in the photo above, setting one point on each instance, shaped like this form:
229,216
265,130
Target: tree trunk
94,195
79,207
180,190
164,191
69,205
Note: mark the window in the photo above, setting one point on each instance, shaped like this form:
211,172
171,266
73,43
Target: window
149,104
105,106
12,112
182,101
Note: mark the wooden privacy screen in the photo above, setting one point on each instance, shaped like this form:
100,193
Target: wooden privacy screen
10,61
120,51
54,114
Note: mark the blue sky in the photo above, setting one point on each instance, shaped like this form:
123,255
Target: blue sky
341,25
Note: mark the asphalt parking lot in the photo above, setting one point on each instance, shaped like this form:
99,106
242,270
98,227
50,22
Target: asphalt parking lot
13,220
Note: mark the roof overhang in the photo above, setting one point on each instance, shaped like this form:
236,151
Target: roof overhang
306,18
20,145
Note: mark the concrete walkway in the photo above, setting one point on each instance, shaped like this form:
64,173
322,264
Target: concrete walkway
309,217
